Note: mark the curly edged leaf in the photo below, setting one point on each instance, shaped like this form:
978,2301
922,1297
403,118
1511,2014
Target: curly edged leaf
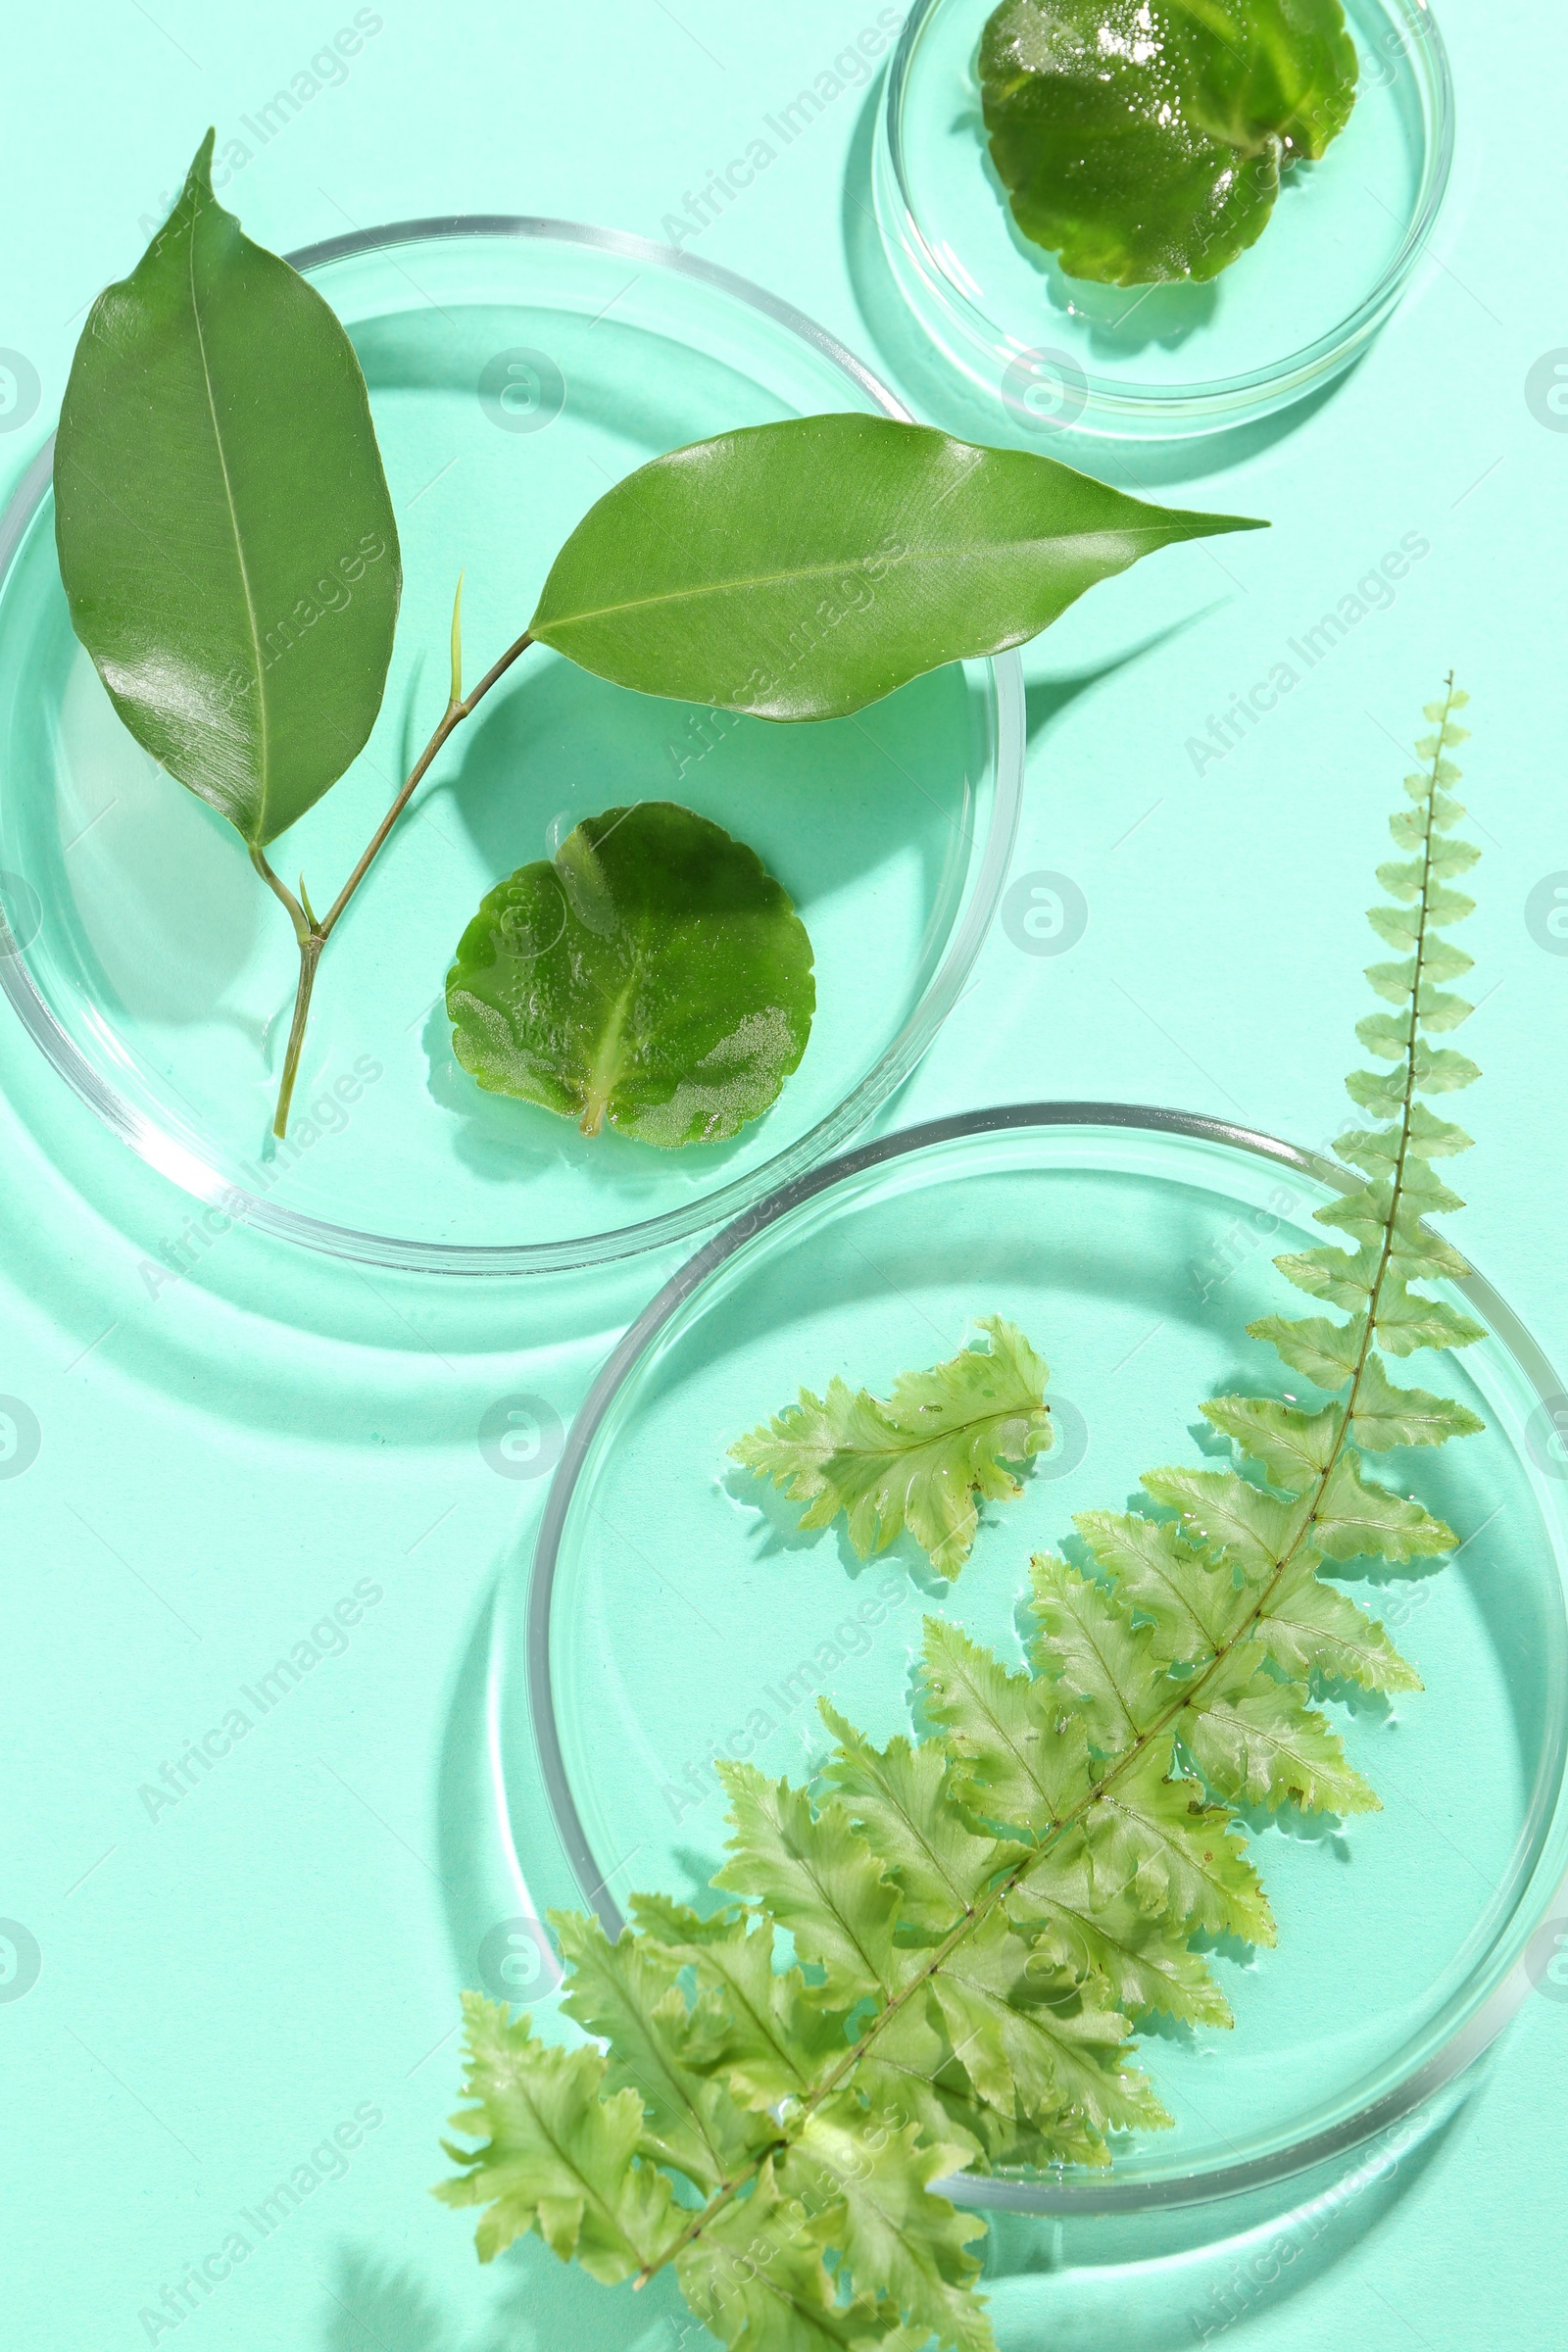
1143,141
1256,1742
919,1459
234,580
1021,1752
720,574
651,973
557,2155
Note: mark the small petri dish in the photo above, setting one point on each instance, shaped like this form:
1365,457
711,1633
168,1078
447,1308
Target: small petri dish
676,1614
516,369
1047,353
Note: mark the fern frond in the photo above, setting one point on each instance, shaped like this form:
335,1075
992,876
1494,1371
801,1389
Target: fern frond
917,1460
977,1919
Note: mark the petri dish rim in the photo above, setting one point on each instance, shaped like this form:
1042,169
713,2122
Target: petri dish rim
1479,2018
1115,409
194,1173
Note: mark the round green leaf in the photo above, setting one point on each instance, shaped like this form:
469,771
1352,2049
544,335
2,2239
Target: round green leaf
652,973
803,570
1143,139
225,533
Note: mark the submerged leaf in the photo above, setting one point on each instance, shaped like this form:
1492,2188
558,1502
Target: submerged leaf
226,534
917,1460
651,974
803,570
1144,139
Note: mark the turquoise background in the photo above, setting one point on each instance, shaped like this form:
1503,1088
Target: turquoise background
220,1463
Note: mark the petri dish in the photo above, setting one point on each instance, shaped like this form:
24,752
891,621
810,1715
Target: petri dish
675,1613
517,368
1049,353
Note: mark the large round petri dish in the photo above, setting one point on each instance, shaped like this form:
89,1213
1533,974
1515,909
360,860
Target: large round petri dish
516,369
676,1614
1051,353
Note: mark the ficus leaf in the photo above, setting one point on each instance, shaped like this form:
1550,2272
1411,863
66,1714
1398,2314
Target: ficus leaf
1144,139
803,569
651,974
226,534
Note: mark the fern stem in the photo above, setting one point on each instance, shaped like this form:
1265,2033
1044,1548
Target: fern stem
843,2070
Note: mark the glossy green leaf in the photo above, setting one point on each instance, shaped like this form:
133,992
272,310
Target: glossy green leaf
803,570
651,973
920,1458
226,534
1144,139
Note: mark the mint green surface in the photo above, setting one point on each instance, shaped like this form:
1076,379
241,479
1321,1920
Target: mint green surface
223,1458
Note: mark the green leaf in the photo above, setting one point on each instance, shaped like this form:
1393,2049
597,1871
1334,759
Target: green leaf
752,2024
818,1878
1293,1446
918,1460
1307,1626
557,2155
1354,1515
226,535
900,1800
626,1993
1190,1601
1144,139
1217,1507
1257,1743
787,2302
1088,1643
1031,2041
1323,1352
1387,1416
1342,1278
651,974
1438,1070
1406,1321
803,570
1147,1964
1154,1839
1022,1751
896,2242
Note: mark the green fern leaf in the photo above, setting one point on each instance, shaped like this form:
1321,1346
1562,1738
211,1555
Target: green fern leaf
1193,1607
918,1460
1308,1628
1088,1643
1254,1529
1293,1447
900,1800
1355,1516
1147,1963
1154,1838
1022,1754
865,2164
1256,1742
558,2156
1386,1416
942,1950
1325,1354
821,1881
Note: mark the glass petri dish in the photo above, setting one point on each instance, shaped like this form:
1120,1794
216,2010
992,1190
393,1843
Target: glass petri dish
675,1613
1051,353
517,368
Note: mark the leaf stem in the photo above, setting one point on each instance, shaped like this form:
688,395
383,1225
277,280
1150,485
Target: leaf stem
313,931
811,2100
